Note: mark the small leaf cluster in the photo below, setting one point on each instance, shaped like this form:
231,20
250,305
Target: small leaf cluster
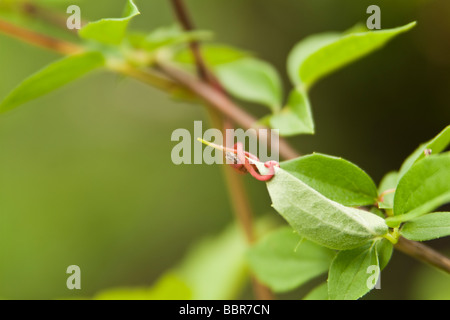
335,208
254,80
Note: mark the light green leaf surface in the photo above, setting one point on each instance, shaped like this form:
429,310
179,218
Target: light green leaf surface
425,187
318,218
168,287
349,275
306,48
388,183
283,261
110,31
335,178
295,118
436,145
252,80
431,226
216,268
319,56
213,54
52,77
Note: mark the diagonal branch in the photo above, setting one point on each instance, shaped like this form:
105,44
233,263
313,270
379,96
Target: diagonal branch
38,39
423,253
223,104
34,10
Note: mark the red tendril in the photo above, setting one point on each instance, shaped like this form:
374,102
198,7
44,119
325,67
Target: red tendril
245,165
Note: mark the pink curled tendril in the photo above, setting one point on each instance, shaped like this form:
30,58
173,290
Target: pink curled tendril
245,165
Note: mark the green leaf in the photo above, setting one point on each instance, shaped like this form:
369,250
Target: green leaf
110,31
295,118
318,293
385,249
350,275
306,48
335,178
436,145
167,36
432,226
386,190
215,269
317,57
283,261
318,218
213,54
425,187
168,287
252,80
52,77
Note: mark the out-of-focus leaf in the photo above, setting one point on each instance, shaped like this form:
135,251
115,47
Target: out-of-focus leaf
216,269
283,261
213,54
335,178
425,187
252,80
319,56
52,77
436,145
166,36
168,287
431,226
110,31
295,118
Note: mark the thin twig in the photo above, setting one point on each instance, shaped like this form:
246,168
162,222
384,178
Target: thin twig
423,253
40,40
56,19
187,24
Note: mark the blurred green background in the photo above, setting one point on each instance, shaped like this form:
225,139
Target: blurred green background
86,176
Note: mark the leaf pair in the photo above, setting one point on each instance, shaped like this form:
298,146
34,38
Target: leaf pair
310,60
424,188
420,186
423,182
284,261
